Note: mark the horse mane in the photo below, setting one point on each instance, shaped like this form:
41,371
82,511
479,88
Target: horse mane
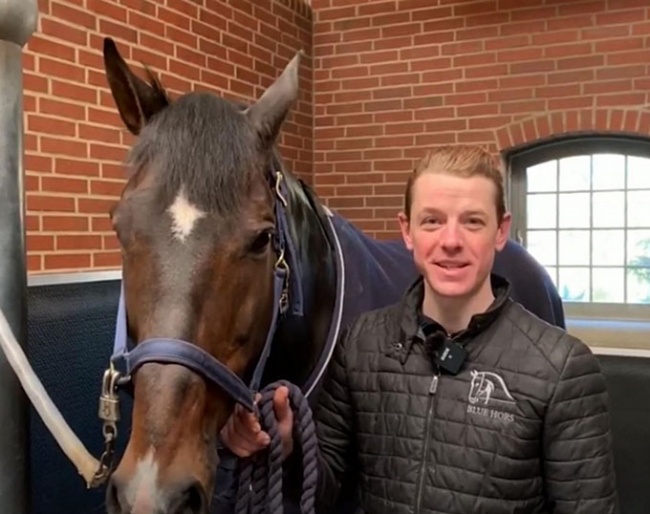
202,144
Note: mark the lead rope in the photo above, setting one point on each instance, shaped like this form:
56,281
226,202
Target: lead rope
260,477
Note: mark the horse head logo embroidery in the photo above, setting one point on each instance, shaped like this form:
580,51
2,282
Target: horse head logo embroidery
483,385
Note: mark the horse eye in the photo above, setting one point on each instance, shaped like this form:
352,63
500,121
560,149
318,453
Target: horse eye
120,231
260,242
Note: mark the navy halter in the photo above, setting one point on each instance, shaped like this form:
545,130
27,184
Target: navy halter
287,294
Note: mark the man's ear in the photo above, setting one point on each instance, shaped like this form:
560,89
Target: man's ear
405,228
503,231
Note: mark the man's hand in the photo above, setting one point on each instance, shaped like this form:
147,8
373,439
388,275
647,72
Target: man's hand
244,436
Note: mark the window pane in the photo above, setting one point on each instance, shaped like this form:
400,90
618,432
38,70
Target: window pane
609,209
542,245
541,211
638,172
574,284
575,173
542,177
638,209
609,285
608,171
638,248
575,210
638,285
638,256
574,247
608,248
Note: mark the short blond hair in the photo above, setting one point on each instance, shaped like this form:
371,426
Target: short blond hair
463,161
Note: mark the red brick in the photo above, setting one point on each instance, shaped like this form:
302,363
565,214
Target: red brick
571,50
614,17
40,45
39,243
33,223
146,24
108,9
610,86
64,185
578,102
75,92
38,163
519,55
629,57
47,125
571,22
44,203
639,28
570,77
60,69
631,99
66,261
74,15
67,147
64,31
64,166
532,13
58,223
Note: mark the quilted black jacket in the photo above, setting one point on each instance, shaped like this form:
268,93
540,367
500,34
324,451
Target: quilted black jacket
522,429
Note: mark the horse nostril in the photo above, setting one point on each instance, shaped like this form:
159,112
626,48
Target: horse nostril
191,499
195,499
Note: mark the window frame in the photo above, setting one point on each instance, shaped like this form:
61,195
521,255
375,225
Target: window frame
519,160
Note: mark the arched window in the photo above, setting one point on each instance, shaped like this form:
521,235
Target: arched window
582,207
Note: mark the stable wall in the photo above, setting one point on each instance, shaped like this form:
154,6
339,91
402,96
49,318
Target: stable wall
75,141
392,78
389,79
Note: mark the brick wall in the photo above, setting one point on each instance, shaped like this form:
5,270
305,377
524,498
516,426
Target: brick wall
75,142
389,79
393,77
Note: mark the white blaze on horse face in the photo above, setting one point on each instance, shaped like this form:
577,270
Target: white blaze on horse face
142,492
184,216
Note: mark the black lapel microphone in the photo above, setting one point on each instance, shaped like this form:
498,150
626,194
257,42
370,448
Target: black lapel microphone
446,353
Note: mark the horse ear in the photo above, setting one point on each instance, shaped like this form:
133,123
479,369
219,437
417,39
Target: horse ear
136,100
270,111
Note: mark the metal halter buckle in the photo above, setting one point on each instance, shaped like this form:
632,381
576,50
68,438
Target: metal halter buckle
109,413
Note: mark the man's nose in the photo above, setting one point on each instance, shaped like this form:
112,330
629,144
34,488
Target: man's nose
451,237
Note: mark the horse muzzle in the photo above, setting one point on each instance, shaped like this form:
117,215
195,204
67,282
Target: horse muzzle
144,495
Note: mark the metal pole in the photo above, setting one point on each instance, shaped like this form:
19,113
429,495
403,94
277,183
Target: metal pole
18,20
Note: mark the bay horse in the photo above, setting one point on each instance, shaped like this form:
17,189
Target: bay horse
206,201
233,273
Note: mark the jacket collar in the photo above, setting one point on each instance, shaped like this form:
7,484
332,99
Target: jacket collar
414,325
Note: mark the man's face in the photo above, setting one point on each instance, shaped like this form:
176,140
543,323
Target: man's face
454,232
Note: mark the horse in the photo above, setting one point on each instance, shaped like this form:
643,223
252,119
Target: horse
234,276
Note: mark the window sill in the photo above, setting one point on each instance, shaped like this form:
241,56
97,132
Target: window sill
615,337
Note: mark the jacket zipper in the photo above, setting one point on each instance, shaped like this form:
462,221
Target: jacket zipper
427,427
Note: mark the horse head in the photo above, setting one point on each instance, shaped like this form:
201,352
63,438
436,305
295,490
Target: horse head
197,222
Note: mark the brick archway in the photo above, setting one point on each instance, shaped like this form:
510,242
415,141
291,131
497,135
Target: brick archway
580,121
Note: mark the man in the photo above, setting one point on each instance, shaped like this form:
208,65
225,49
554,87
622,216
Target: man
457,399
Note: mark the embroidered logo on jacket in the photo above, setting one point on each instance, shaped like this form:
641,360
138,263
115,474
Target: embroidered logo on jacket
482,396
